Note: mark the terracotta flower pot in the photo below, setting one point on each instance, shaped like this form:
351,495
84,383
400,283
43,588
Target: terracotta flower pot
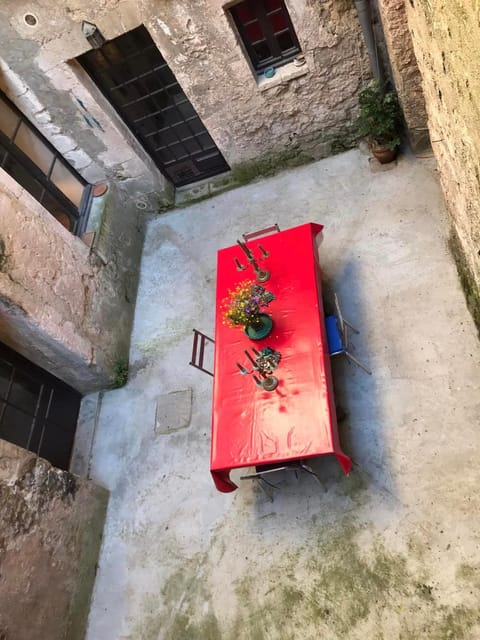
384,154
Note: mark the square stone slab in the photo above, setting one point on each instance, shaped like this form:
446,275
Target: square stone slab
174,411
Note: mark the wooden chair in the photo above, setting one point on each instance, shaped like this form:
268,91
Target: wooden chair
198,350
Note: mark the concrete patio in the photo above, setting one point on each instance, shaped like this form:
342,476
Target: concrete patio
391,551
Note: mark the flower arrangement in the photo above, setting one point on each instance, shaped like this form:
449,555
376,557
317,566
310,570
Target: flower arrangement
242,306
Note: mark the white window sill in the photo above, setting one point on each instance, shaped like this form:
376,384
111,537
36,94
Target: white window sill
283,75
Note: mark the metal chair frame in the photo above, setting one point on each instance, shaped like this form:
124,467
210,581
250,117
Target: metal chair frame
289,466
198,350
261,232
343,326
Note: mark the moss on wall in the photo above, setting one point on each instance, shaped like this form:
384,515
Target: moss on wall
467,278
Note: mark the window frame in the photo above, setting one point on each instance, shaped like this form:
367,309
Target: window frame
78,216
278,57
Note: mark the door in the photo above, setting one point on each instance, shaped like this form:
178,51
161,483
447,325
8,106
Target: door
135,78
37,411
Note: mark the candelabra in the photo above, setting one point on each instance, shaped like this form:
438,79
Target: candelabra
261,274
265,363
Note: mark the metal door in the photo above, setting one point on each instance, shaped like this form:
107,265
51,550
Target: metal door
37,411
135,78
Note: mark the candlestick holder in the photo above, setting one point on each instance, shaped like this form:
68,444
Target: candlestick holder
261,274
240,267
263,251
264,363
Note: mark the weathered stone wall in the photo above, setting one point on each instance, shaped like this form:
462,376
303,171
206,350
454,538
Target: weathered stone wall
312,108
66,308
51,532
404,68
71,312
446,38
38,75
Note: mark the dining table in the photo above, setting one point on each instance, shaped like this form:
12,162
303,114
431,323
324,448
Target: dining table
296,421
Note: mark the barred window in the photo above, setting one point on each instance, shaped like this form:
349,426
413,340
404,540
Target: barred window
38,167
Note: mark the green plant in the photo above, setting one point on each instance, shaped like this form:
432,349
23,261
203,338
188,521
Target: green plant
120,371
379,118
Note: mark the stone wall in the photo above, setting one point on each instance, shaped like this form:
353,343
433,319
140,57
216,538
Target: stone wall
64,307
311,108
38,75
49,542
446,38
405,72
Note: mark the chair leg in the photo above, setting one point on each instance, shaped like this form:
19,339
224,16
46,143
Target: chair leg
351,326
357,362
309,470
262,487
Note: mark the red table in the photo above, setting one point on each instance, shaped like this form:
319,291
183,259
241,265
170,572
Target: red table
250,426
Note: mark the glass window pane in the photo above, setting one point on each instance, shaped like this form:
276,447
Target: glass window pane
34,148
23,177
16,426
278,21
53,206
262,51
186,110
285,41
192,146
5,375
8,119
254,32
271,5
56,444
206,141
63,407
25,392
68,184
243,12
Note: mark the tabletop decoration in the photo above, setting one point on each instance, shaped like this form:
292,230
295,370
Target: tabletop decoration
261,274
242,307
265,362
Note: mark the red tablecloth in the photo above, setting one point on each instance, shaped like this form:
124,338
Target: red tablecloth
251,426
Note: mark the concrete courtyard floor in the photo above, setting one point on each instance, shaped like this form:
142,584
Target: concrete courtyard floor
391,551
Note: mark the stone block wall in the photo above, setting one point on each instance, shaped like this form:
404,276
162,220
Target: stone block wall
54,92
64,307
446,38
312,108
51,533
314,111
405,71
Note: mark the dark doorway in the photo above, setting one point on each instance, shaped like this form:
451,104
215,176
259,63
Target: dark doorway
37,410
131,72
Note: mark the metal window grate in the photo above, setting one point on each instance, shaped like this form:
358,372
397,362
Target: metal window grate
37,411
131,72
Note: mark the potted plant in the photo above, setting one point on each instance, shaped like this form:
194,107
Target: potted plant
243,307
379,121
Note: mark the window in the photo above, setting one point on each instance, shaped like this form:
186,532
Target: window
267,32
32,161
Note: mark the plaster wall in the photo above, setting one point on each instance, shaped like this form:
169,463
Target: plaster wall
51,533
312,108
63,306
446,38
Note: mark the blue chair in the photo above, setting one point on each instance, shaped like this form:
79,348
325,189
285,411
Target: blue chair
337,335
